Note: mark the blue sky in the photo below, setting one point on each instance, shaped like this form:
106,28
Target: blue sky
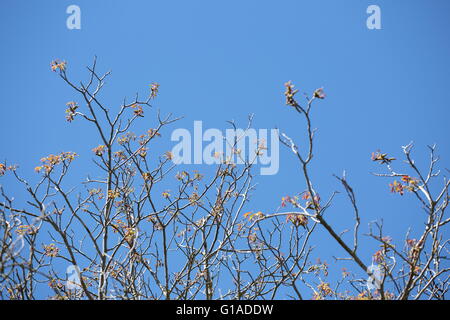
222,60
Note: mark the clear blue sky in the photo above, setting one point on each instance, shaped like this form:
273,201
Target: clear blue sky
222,60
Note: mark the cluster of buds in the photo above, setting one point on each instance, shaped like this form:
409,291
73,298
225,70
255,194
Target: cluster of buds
363,296
260,147
382,158
416,247
288,199
194,199
290,93
297,219
58,65
129,136
409,184
4,168
378,256
112,194
311,201
168,155
99,150
154,87
51,250
52,160
145,138
120,155
143,152
166,194
71,110
180,176
130,235
153,133
55,284
218,209
324,291
386,246
138,111
397,187
319,94
146,176
252,237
